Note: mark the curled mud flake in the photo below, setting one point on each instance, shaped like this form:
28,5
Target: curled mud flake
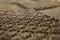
26,35
56,37
12,34
20,26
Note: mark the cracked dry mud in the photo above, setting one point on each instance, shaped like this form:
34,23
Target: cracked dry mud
29,25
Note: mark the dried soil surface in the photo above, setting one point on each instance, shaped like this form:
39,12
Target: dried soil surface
29,20
29,25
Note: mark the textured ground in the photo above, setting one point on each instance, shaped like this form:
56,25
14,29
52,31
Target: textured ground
49,8
29,25
40,22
